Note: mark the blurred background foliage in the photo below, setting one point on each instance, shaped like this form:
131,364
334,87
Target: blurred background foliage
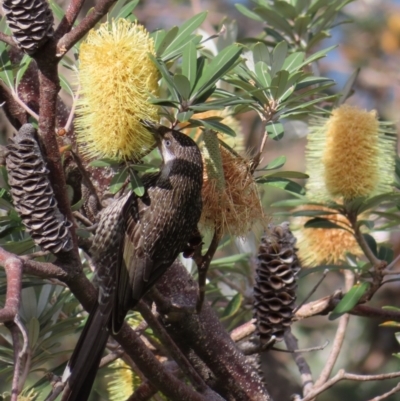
371,42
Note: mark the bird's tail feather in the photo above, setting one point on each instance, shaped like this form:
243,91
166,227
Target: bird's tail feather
84,363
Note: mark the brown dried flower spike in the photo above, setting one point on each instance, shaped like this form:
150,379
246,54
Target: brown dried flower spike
233,207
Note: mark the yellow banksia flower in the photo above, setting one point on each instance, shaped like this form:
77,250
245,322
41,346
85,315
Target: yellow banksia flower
324,245
350,154
122,381
116,79
231,204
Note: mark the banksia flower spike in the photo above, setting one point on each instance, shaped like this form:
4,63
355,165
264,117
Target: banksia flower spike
33,195
116,78
30,21
276,283
350,154
231,202
325,245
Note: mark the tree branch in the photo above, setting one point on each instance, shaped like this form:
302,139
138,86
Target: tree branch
13,269
68,40
70,16
7,39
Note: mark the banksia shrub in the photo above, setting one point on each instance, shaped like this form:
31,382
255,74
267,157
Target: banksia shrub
33,195
30,21
231,202
325,245
116,79
350,154
275,288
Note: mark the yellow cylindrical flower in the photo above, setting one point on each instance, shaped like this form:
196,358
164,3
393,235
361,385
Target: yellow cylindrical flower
349,155
236,208
116,78
121,382
324,245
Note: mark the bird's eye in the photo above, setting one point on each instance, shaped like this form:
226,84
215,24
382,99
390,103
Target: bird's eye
168,143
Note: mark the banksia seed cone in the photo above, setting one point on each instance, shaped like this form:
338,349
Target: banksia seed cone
275,288
33,195
117,78
30,21
325,245
350,154
231,202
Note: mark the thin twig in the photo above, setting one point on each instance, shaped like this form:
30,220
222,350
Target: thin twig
394,390
25,337
7,39
71,14
302,365
57,387
72,112
203,263
87,23
324,274
82,219
303,350
342,375
111,357
243,331
17,360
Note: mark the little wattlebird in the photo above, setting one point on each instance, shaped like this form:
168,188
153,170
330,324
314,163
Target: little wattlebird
136,240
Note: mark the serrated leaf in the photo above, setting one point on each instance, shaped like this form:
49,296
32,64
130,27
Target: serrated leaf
350,300
233,306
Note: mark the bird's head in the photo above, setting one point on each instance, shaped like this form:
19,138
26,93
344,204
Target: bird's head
174,145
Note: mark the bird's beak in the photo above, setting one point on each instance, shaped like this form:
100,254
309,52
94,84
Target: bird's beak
154,128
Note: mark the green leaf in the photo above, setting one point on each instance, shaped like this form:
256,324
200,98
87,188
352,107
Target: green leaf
261,53
285,9
279,84
371,243
182,85
293,61
6,69
185,116
219,65
4,205
136,183
33,331
127,9
278,57
350,300
230,260
262,73
247,13
65,85
282,183
20,247
288,174
23,66
275,131
379,200
189,63
215,126
274,19
167,76
57,10
233,306
386,254
320,222
184,35
301,25
118,181
276,163
166,41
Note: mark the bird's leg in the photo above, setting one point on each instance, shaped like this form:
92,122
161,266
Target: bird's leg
203,263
